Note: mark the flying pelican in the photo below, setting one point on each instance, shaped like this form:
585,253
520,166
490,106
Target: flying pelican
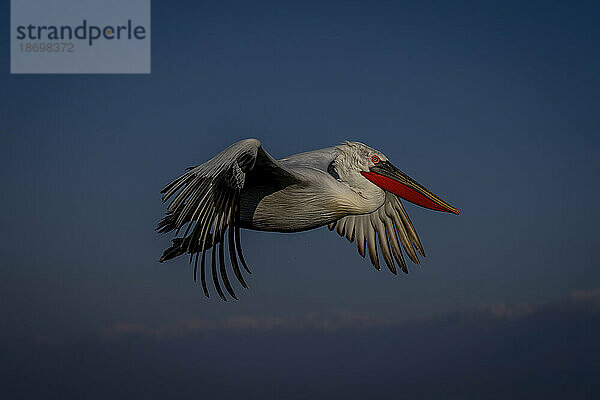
350,187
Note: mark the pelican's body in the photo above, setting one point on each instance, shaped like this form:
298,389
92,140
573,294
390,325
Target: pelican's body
351,186
314,199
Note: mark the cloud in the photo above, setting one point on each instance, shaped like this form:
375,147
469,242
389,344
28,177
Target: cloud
592,297
181,328
326,322
576,302
517,351
322,322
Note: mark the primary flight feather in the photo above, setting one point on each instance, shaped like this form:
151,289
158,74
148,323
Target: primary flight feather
352,188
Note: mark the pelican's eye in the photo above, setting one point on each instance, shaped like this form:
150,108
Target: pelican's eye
375,159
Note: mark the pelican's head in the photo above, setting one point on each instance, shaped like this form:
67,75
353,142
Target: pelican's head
368,169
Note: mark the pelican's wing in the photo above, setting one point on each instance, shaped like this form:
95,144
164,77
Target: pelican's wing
206,202
388,223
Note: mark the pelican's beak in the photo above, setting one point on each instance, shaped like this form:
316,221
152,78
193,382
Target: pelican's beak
390,178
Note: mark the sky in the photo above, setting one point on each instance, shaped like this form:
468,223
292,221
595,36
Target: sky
493,106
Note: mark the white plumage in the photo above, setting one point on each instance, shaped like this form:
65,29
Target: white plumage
351,188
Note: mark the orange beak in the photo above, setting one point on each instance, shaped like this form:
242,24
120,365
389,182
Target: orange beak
390,178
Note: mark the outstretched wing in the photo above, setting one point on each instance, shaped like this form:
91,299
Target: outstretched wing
388,223
206,202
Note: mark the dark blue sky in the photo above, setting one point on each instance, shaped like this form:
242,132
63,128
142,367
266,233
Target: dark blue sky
493,106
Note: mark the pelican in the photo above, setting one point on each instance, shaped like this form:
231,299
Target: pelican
351,188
